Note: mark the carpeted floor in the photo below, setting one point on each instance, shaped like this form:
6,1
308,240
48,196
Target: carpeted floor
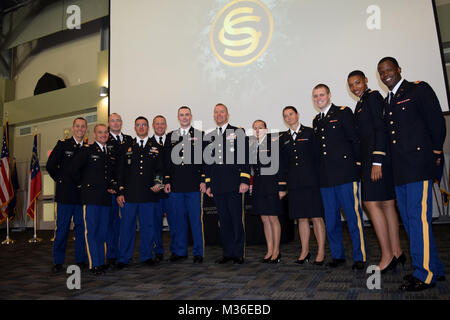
25,274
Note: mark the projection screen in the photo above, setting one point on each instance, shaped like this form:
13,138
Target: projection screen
258,56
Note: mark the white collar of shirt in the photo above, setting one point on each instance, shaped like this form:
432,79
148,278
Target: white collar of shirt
163,138
80,143
296,131
325,111
138,140
100,145
185,130
262,140
394,91
118,135
224,127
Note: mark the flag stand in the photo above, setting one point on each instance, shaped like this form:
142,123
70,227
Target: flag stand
8,240
35,239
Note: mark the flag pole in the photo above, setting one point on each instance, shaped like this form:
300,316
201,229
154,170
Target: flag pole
8,240
35,239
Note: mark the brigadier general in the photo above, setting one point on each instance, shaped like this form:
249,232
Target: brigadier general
339,176
227,180
184,180
67,196
92,169
416,129
115,140
139,165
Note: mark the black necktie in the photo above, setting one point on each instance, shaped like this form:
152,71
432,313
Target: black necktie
142,143
294,135
220,130
391,98
160,141
322,115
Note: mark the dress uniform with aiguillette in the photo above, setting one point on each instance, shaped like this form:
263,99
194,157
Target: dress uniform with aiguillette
264,159
224,177
373,136
185,172
339,153
163,205
93,170
416,128
300,168
67,201
139,164
112,243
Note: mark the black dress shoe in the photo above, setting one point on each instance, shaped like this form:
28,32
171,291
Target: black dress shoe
223,260
198,259
112,262
159,257
105,267
410,277
239,260
391,266
98,271
358,265
276,260
401,259
120,265
266,260
440,278
149,262
335,263
302,261
57,268
415,285
82,265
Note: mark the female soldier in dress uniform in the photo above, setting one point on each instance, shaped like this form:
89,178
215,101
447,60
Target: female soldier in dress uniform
377,183
300,164
267,190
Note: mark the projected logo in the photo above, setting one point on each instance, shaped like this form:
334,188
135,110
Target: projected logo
241,32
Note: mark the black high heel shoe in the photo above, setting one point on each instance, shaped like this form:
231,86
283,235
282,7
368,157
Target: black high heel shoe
266,260
390,266
319,263
401,259
277,260
302,261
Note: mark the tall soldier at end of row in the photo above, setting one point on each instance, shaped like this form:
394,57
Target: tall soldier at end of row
67,196
416,128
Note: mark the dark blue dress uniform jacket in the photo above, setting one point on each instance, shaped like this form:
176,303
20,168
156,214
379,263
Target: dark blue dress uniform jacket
162,154
300,159
221,176
416,127
187,172
93,170
371,128
58,166
264,184
114,146
339,149
138,168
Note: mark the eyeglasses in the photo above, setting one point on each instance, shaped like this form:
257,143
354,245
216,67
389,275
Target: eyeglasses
143,125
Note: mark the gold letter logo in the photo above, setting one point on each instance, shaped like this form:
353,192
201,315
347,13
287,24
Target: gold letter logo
244,32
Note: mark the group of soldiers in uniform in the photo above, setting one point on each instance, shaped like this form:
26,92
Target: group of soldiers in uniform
392,147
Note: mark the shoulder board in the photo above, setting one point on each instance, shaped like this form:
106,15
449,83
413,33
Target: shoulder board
343,108
417,82
86,145
371,91
170,132
62,140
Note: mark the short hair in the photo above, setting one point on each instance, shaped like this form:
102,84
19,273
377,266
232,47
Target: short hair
290,108
79,118
358,73
263,122
159,116
184,107
391,59
100,125
141,118
221,104
115,114
321,85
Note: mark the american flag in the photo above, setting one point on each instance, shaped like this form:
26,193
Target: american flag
34,181
6,190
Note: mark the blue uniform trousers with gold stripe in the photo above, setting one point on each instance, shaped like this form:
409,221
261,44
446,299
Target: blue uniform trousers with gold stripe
112,239
146,212
231,217
163,206
345,196
186,208
415,204
64,214
96,228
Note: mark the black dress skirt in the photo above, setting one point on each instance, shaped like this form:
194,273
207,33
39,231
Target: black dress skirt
305,202
381,190
266,204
